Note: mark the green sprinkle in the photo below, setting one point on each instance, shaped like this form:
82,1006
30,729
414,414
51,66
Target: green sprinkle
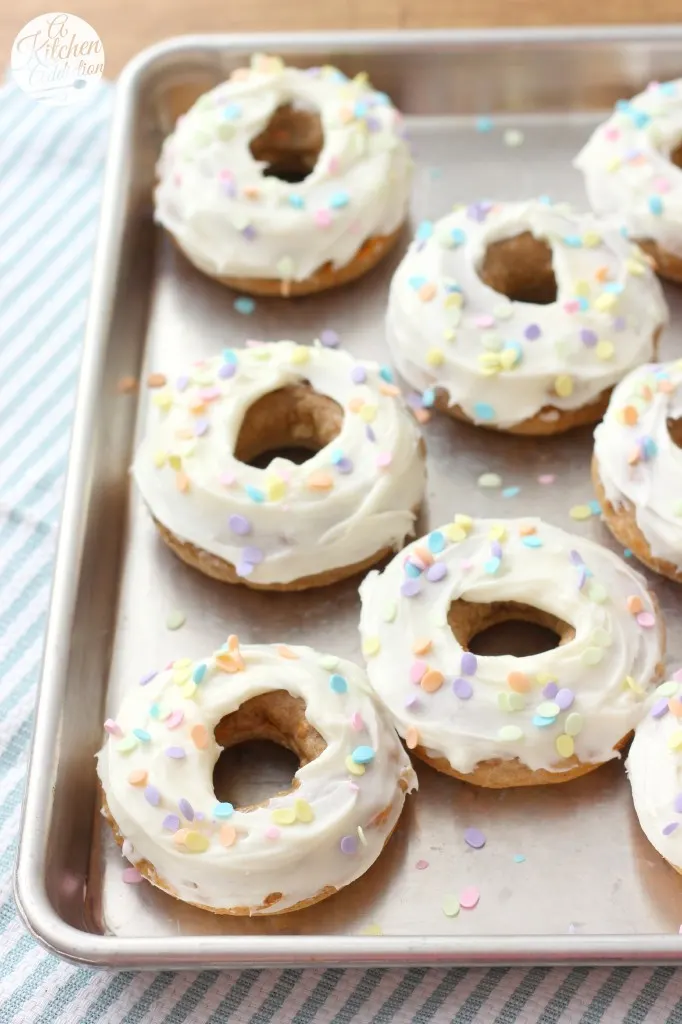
175,619
329,661
451,906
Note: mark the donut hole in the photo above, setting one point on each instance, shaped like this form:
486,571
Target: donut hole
291,423
265,741
675,431
506,627
290,143
520,268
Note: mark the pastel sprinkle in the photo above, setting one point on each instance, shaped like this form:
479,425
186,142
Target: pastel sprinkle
469,663
127,744
131,876
463,689
646,620
171,823
186,809
564,745
489,480
113,728
371,645
329,338
510,733
244,305
152,795
363,755
436,572
469,897
519,858
176,753
227,835
484,411
239,525
338,684
146,678
138,777
353,767
175,619
422,865
196,842
349,845
272,832
411,738
451,906
356,721
199,736
474,837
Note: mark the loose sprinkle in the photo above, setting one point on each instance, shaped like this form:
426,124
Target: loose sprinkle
411,738
131,876
422,865
330,338
175,619
469,897
474,837
451,906
519,858
484,124
489,480
244,305
513,138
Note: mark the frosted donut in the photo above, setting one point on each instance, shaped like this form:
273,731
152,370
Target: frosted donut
286,526
637,466
502,720
156,771
632,170
219,196
521,316
654,767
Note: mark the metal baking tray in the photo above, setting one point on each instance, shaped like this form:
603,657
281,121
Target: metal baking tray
591,889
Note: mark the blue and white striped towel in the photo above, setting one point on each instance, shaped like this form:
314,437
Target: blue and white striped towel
51,163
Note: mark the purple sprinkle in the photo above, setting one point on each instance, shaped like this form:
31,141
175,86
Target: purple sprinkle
182,382
245,568
349,844
582,576
249,232
550,691
344,465
152,795
496,549
200,427
588,337
186,808
147,677
171,823
373,124
469,663
358,375
229,188
678,803
660,708
227,370
175,752
330,339
532,332
436,572
410,587
463,689
478,211
369,433
670,827
619,323
474,837
414,400
564,698
253,556
412,703
575,558
239,525
199,816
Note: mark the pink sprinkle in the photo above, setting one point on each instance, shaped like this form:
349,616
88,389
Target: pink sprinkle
612,134
210,394
677,676
333,164
175,719
323,218
485,320
384,459
646,620
272,832
546,478
466,564
227,479
113,728
661,185
572,306
417,671
680,930
131,876
469,897
356,721
353,787
225,175
421,865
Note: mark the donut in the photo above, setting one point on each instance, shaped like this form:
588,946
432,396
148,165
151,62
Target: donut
286,526
292,850
637,466
503,720
521,316
632,170
285,181
654,768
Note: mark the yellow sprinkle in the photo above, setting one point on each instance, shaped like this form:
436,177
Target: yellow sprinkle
368,413
188,689
509,357
497,532
675,740
613,164
635,267
632,684
580,512
159,459
353,768
605,350
542,678
489,361
372,929
563,385
449,334
455,299
182,663
283,816
275,488
181,675
565,745
304,811
435,357
574,723
582,289
371,645
454,533
196,842
175,462
163,399
606,302
591,239
466,522
301,354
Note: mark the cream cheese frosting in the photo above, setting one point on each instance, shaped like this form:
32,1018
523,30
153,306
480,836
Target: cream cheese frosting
638,462
580,698
156,770
627,166
353,498
233,221
654,767
504,361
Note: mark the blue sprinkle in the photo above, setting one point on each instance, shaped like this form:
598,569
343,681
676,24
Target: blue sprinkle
583,304
416,282
667,89
458,236
532,541
231,112
412,570
337,456
574,241
338,683
142,735
484,124
639,117
510,492
424,231
386,374
492,565
229,356
298,202
428,398
223,810
436,542
483,411
615,287
451,287
624,231
199,673
541,722
519,858
244,305
155,711
545,200
595,507
339,200
254,493
656,205
360,108
363,755
627,552
623,106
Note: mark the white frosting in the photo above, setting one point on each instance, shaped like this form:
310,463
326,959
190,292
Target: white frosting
504,361
582,697
637,459
654,768
350,500
627,167
332,801
233,221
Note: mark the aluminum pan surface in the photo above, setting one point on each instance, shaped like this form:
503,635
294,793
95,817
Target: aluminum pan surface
590,887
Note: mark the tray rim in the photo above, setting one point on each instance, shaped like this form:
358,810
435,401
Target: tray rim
35,909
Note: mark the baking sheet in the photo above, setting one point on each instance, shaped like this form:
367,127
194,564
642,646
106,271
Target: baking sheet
590,886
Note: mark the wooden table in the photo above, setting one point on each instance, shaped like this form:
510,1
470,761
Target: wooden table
126,26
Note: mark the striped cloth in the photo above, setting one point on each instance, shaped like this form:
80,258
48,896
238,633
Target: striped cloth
50,172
